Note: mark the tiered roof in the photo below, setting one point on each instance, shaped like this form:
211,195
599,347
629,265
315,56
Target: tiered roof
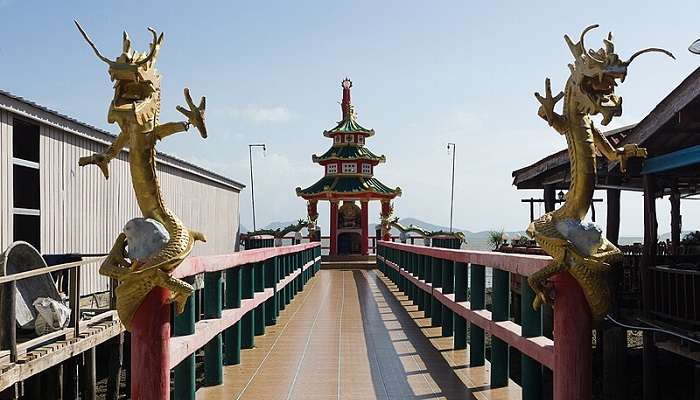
349,164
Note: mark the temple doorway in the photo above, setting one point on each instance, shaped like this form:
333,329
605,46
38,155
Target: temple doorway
349,243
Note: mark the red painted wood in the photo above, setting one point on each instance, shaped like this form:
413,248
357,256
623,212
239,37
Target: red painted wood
205,330
364,219
520,264
334,229
150,338
538,348
196,265
573,365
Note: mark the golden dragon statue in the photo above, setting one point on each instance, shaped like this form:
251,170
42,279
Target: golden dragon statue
577,247
135,108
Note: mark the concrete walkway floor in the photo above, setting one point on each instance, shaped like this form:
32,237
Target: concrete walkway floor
351,335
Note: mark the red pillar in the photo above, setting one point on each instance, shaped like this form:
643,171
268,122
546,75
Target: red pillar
334,228
365,226
572,340
150,355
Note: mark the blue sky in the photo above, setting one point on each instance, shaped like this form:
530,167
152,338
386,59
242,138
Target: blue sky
424,73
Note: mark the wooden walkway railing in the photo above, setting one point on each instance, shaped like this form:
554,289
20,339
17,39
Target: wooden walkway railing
243,293
22,361
436,280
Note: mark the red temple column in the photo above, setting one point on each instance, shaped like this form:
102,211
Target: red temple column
573,364
150,339
334,228
364,220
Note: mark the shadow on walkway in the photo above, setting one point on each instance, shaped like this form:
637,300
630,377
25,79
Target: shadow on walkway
403,362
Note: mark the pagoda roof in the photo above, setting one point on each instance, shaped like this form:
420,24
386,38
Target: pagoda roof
348,125
348,152
348,184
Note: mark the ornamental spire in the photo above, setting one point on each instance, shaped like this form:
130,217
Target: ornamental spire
345,105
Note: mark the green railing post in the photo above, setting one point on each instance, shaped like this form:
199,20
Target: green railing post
269,268
531,370
461,290
282,272
436,306
476,301
232,335
448,287
288,289
213,356
259,287
247,326
420,273
500,312
185,372
427,296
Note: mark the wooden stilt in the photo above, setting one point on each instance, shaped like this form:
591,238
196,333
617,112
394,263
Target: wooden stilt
114,373
88,375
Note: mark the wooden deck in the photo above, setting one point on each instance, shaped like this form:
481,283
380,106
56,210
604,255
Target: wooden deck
351,335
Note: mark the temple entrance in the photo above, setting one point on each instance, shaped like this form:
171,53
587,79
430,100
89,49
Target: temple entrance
349,243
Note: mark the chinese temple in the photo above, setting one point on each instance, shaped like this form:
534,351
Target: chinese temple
348,180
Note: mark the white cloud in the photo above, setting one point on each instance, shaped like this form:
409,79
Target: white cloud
260,114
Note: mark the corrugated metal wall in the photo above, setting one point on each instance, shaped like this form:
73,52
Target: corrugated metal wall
81,212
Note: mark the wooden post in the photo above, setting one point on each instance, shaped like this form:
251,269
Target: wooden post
650,386
232,335
612,225
150,339
436,306
364,220
334,228
259,286
427,297
248,330
550,197
420,273
88,375
8,330
115,366
477,302
185,372
650,239
270,280
676,227
461,291
500,301
573,364
530,370
448,287
213,357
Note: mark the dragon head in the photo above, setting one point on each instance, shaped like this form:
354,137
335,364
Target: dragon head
594,76
136,81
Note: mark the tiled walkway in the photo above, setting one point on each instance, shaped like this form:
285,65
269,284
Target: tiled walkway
351,335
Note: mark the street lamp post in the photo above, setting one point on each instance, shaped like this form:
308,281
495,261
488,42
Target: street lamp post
453,147
252,186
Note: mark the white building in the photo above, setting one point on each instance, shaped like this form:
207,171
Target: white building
49,201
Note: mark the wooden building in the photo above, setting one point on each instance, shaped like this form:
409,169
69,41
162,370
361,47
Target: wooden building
49,201
659,284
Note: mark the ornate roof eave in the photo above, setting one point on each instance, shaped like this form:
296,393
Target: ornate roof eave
332,132
380,160
332,195
328,191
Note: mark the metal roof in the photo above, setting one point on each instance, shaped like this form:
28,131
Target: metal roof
31,110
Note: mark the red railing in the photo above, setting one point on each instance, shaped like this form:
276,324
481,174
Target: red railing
243,293
436,280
